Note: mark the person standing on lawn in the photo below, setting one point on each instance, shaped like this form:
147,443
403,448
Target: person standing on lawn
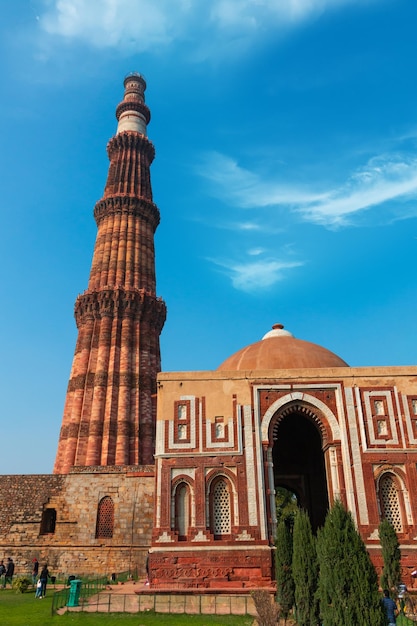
391,610
35,571
38,593
8,577
43,577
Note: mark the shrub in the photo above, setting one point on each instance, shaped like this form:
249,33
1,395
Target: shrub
21,583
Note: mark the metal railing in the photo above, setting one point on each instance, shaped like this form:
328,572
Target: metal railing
90,587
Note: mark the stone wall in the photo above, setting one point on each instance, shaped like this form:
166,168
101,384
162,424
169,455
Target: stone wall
73,547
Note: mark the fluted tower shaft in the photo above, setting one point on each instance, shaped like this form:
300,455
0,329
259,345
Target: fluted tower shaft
110,409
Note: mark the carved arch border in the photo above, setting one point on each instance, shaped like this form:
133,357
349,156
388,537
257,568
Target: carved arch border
182,478
301,402
387,468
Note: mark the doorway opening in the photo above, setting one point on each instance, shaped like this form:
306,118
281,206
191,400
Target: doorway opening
298,461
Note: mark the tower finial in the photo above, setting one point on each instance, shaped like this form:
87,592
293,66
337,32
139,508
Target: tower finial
132,113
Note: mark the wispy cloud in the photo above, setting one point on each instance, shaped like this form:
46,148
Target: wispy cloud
146,24
251,276
246,189
251,14
132,24
384,179
247,226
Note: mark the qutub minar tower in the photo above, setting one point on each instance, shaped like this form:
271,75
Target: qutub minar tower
110,408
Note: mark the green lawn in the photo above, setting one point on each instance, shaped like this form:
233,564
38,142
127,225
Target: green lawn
24,610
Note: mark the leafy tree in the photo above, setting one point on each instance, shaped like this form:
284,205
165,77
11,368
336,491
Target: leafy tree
391,554
283,561
286,505
348,586
305,571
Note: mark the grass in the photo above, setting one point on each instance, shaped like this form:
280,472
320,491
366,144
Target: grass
23,609
402,620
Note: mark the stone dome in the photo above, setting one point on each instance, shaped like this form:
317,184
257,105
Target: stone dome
278,349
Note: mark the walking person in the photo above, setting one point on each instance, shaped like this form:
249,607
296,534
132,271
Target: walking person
8,577
2,573
35,571
391,610
43,577
147,569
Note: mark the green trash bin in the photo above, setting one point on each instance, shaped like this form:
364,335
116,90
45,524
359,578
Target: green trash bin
74,594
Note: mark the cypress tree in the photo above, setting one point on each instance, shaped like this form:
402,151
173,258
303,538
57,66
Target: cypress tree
348,586
283,561
305,571
391,554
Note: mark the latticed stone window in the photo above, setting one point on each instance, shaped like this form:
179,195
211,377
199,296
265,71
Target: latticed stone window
221,515
105,518
390,502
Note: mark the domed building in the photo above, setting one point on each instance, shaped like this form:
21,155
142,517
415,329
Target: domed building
279,413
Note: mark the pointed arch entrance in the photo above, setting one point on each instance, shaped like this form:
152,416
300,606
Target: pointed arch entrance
298,459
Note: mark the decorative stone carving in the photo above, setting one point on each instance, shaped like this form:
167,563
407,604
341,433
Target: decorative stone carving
244,536
200,536
164,538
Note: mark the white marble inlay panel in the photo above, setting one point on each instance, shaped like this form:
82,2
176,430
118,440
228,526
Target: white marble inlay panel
182,471
220,444
408,421
250,468
356,460
373,436
192,425
158,493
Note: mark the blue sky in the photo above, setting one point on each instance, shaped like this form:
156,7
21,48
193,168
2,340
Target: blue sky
285,174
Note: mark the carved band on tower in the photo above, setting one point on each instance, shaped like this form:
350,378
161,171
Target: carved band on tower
110,409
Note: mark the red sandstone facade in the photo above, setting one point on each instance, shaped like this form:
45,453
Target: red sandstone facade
109,415
227,439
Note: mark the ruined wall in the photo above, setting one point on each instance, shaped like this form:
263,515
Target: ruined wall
72,547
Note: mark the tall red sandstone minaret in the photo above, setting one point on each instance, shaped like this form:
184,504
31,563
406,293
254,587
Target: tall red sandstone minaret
110,408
